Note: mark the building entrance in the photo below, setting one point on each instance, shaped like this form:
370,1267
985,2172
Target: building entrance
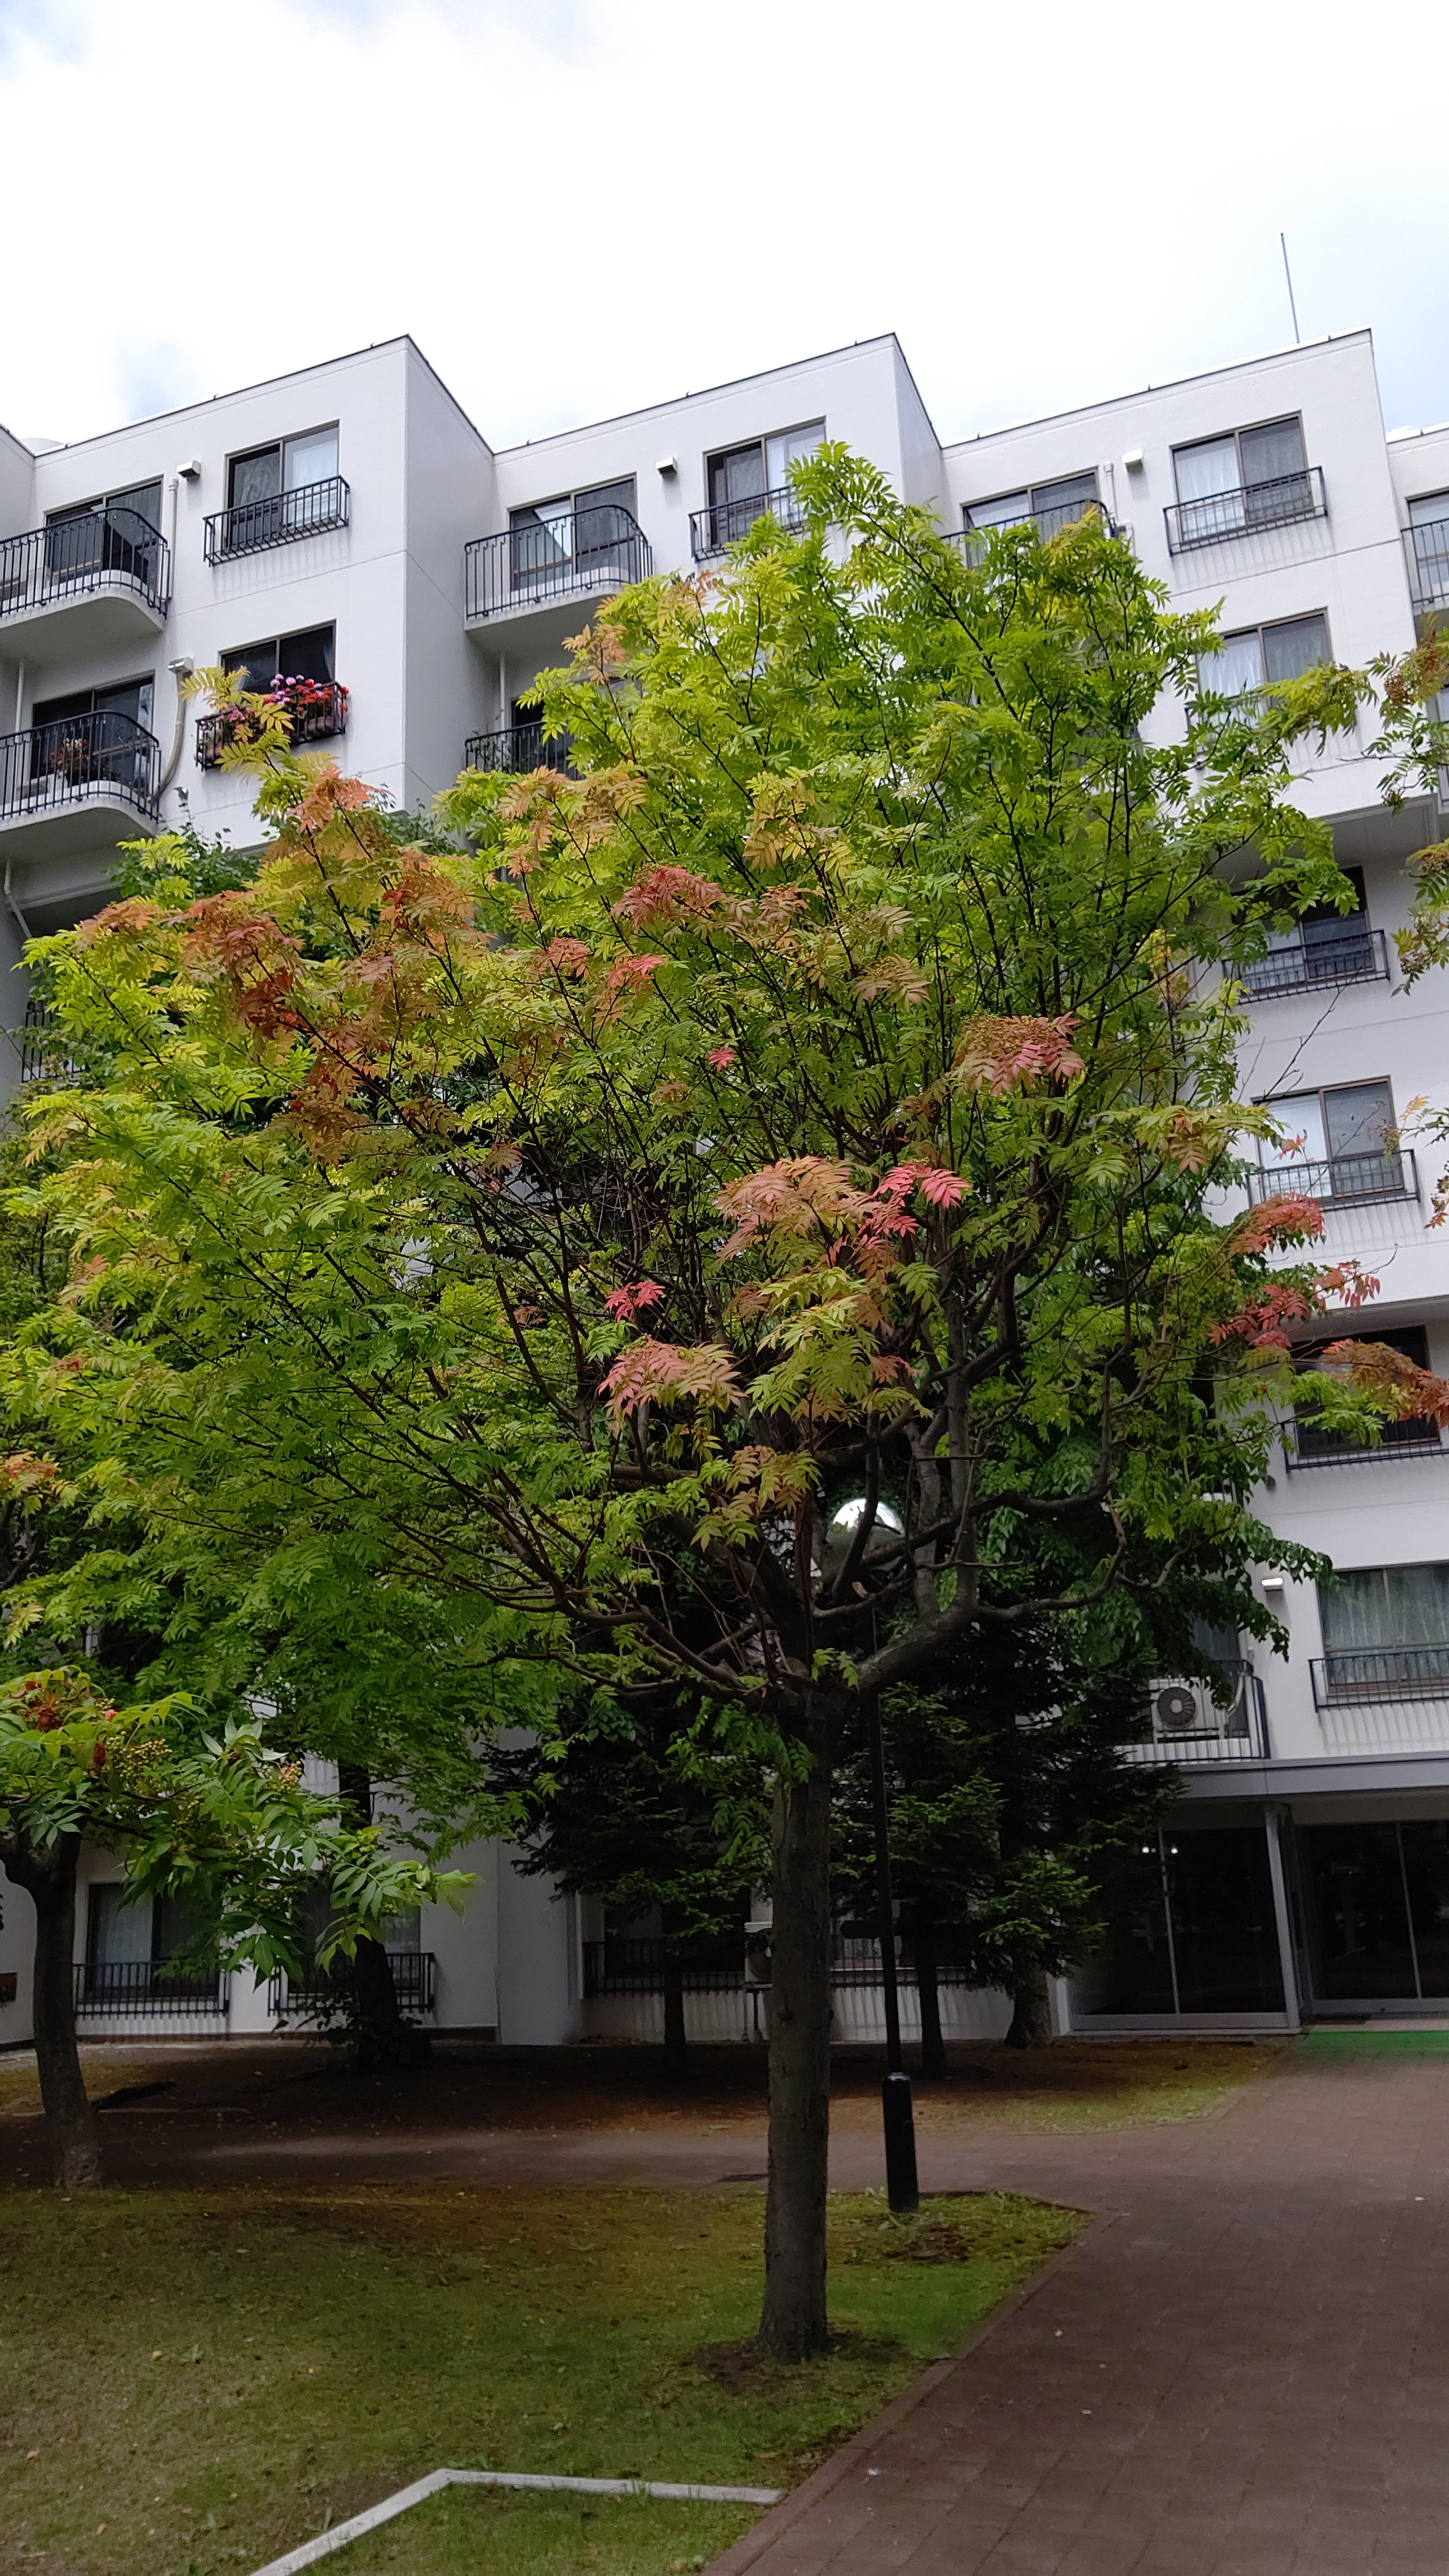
1376,1903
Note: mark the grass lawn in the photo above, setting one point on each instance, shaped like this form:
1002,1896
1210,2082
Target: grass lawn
196,2381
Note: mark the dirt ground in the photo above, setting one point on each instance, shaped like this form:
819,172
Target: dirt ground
167,2107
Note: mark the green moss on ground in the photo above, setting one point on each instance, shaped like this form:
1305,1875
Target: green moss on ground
204,2381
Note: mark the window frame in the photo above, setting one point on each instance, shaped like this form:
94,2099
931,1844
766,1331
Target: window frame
1269,626
235,657
1393,1156
279,446
1036,507
1244,429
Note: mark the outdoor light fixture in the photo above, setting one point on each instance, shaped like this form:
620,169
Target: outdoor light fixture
903,2190
667,465
1273,1583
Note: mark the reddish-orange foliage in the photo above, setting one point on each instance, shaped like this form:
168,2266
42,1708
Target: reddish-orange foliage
938,1187
665,897
993,1054
722,1057
651,1372
1398,1385
1289,1218
560,957
625,1303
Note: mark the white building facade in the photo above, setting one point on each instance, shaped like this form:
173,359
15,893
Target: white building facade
348,529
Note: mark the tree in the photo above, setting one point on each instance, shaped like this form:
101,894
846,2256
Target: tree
646,1811
215,1820
820,1094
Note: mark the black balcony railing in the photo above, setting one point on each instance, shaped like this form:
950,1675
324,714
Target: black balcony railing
316,717
254,527
636,1967
710,531
516,749
1184,1722
44,1053
1427,549
322,1991
1047,523
580,550
76,760
115,1988
106,550
1348,1179
1306,1444
1359,957
1246,510
1381,1673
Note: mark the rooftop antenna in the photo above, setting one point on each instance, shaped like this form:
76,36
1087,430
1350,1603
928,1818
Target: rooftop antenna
1288,273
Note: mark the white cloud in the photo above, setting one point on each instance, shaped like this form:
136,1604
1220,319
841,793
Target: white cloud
575,207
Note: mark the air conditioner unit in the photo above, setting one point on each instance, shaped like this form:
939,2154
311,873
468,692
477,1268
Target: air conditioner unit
1179,1709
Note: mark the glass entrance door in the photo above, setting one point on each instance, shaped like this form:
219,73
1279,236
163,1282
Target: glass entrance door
1377,1901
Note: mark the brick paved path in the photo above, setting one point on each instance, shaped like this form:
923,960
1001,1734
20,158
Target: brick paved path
1242,2371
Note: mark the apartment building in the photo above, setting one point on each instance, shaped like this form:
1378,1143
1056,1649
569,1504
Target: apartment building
348,531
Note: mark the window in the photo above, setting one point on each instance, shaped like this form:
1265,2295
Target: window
1241,481
279,493
1345,1143
1429,540
1327,947
308,655
1378,1909
129,1942
1255,655
580,537
132,699
1391,1616
1051,505
289,465
1315,1445
119,533
738,475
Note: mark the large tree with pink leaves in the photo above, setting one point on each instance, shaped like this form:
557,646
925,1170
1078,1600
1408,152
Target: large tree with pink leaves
758,1217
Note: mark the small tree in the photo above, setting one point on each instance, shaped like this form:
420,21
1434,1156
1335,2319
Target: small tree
649,1814
216,1821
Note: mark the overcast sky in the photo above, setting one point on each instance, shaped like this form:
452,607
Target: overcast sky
576,206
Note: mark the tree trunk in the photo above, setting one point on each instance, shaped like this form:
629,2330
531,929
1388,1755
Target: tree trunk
49,1878
793,2321
1030,2016
379,2036
676,2046
933,2045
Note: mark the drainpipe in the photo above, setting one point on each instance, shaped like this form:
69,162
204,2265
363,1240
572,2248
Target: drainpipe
183,670
10,903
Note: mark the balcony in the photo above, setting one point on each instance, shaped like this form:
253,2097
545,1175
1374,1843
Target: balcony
1246,511
1427,550
1306,1445
1348,1180
83,585
320,1995
1317,965
1384,1699
318,709
576,555
710,531
77,787
1183,1723
126,1989
516,749
283,519
636,1967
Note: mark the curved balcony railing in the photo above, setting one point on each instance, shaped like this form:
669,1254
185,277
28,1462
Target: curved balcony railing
414,1977
554,558
1381,1673
107,550
1359,957
316,718
77,760
113,1989
1427,550
1246,510
710,531
282,519
1347,1180
516,749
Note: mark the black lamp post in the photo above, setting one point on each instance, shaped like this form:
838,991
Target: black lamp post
902,2188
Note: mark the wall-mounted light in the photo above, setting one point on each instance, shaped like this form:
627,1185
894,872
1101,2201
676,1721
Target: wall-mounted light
1132,459
1273,1583
667,465
190,472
